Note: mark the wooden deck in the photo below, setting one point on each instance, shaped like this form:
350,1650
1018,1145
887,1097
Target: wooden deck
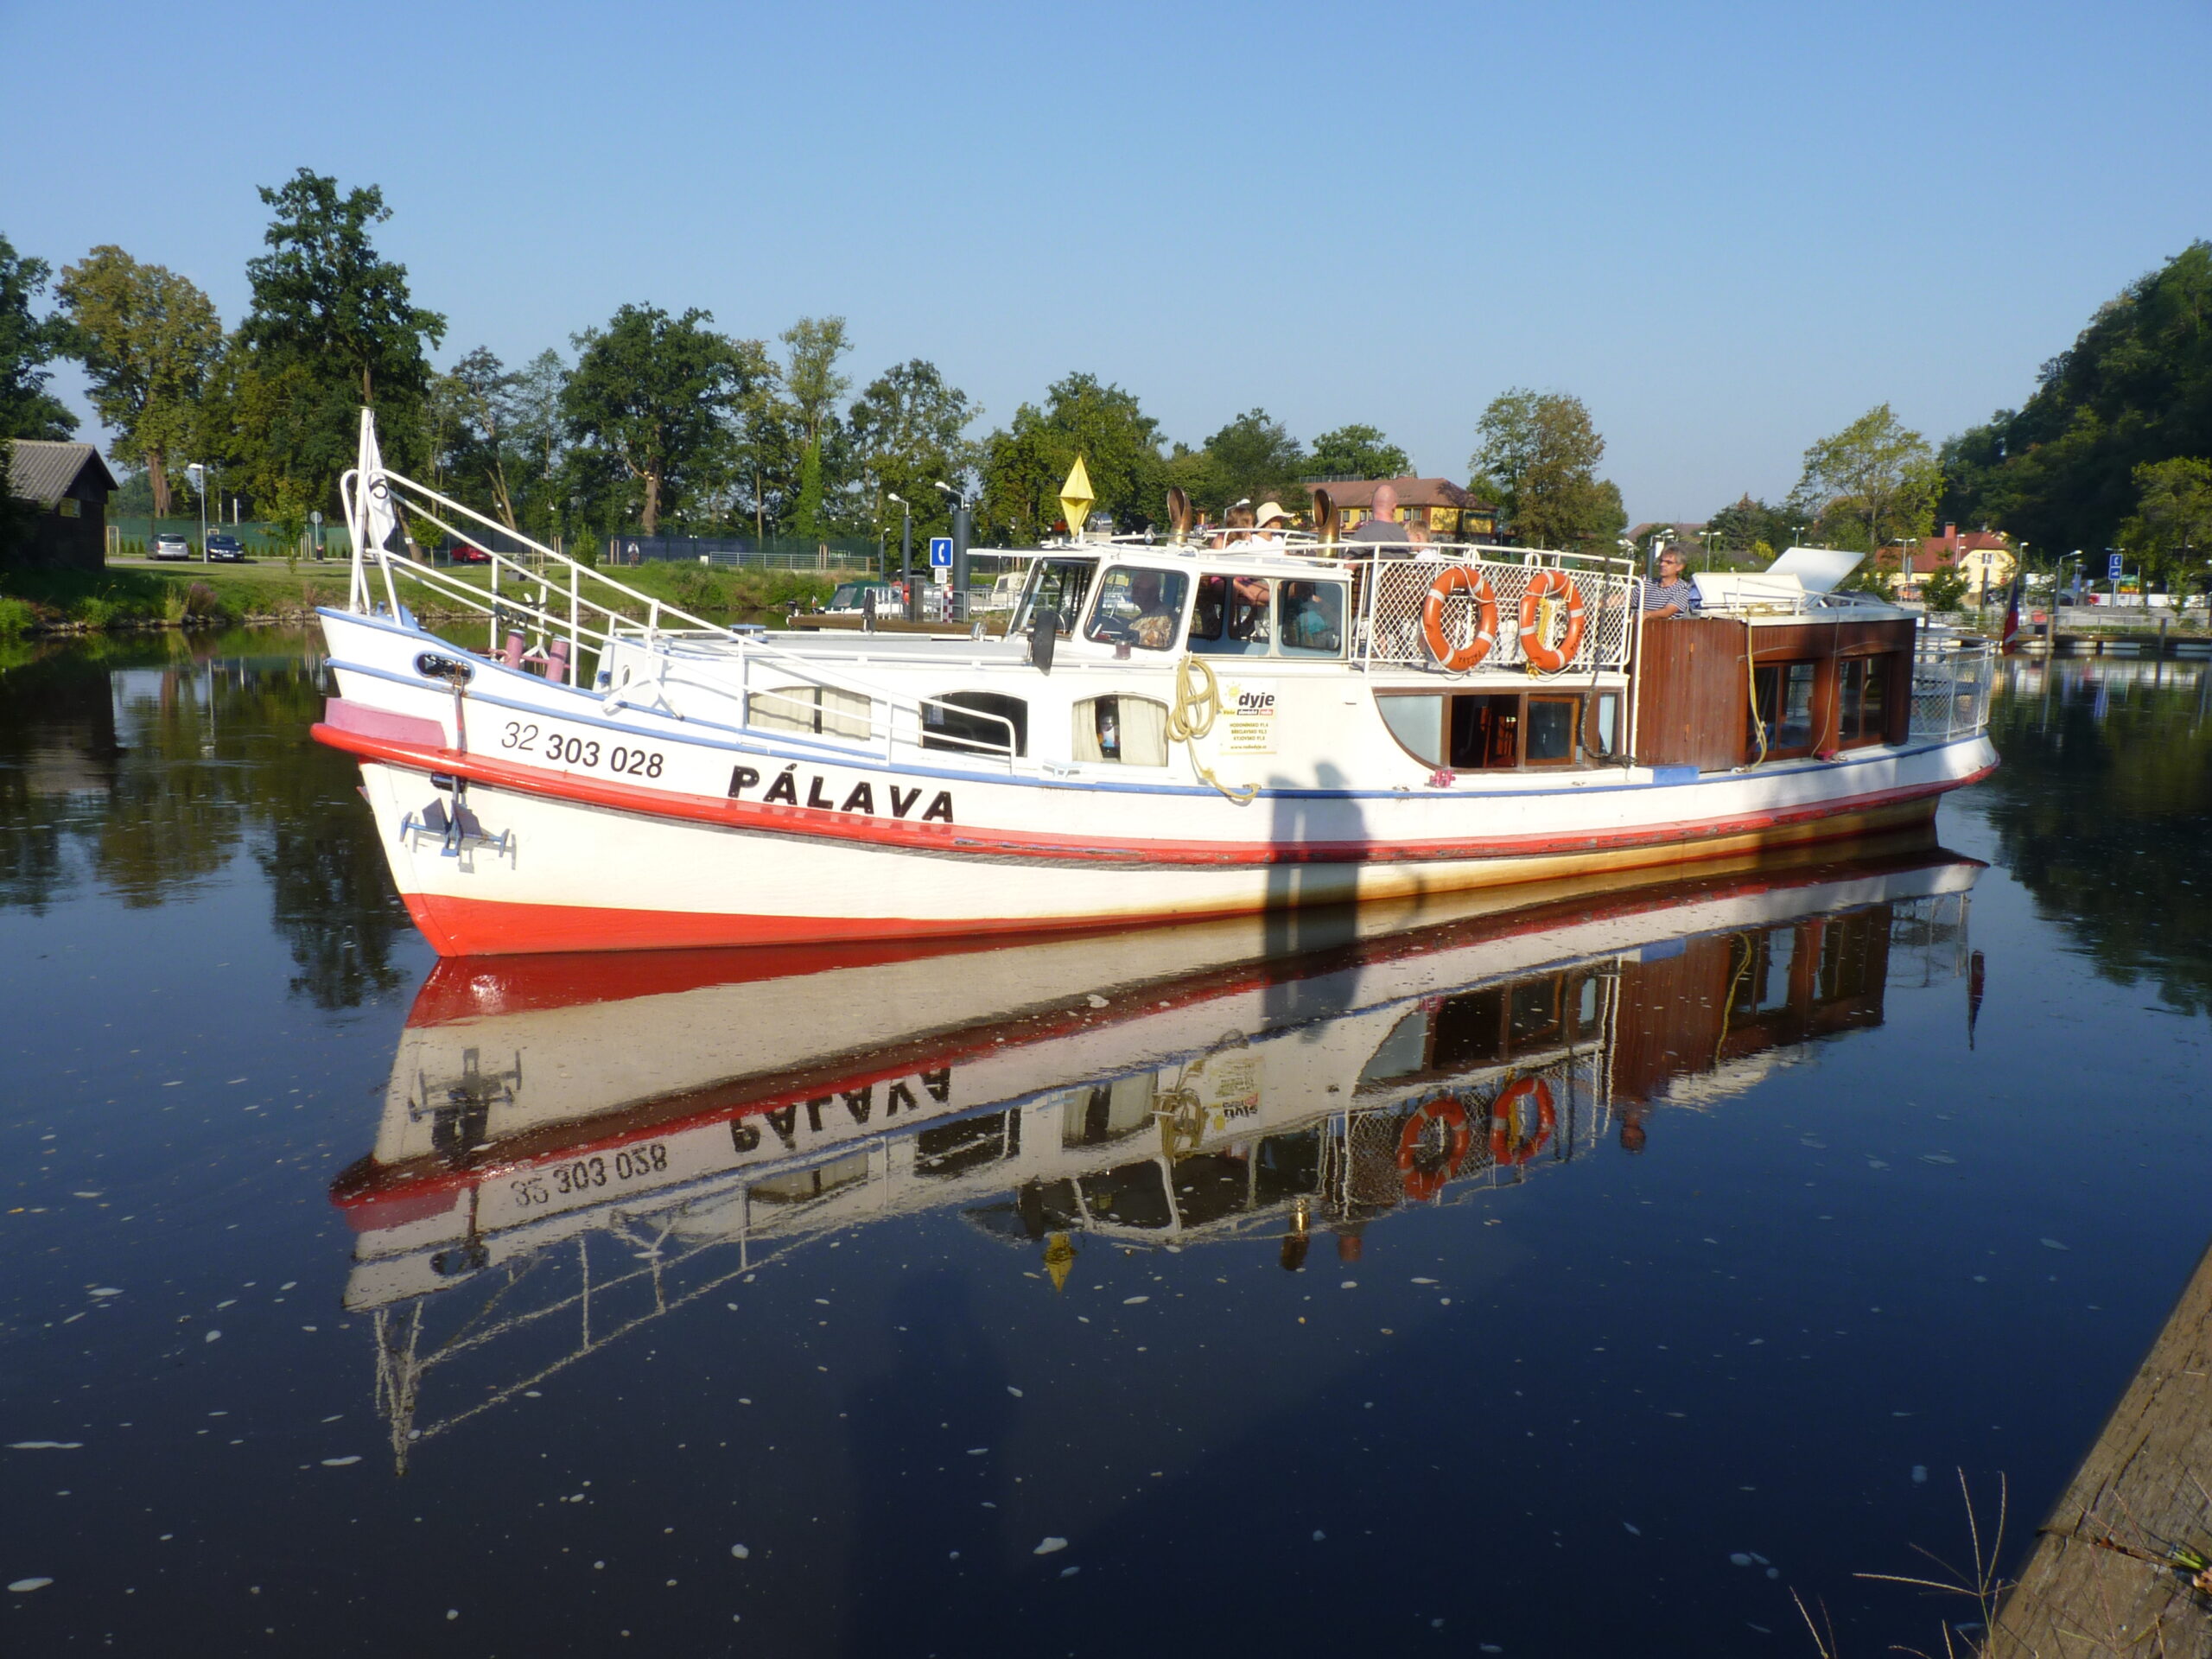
2145,1485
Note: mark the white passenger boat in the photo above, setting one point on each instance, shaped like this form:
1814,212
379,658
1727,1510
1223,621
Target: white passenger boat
1164,731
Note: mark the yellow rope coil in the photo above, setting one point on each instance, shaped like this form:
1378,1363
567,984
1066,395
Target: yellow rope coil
1198,701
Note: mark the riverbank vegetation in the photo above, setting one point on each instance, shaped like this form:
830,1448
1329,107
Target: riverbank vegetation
124,597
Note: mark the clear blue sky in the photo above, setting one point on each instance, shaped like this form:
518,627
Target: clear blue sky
1729,228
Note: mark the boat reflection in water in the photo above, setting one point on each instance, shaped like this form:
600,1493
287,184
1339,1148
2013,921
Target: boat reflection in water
571,1147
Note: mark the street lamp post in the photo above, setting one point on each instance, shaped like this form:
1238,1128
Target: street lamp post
960,529
905,549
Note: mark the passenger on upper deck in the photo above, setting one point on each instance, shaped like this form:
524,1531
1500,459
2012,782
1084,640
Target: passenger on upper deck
1381,524
1272,521
1236,527
1670,595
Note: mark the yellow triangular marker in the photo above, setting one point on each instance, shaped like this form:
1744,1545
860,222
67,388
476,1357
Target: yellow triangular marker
1060,1252
1076,498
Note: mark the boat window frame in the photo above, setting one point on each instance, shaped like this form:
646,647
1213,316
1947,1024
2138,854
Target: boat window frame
1024,606
1178,612
1584,757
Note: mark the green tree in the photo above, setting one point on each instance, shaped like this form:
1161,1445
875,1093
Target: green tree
1254,457
1025,464
806,519
1355,451
28,344
1944,589
906,432
1740,530
482,453
148,339
2135,387
332,328
1536,456
648,405
812,346
2170,529
1874,482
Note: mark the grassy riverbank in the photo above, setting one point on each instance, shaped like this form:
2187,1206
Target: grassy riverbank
131,594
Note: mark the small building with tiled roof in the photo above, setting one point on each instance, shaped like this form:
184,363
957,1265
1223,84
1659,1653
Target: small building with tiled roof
1449,511
64,488
1987,558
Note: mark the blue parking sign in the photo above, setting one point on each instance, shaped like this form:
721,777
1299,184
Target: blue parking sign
941,552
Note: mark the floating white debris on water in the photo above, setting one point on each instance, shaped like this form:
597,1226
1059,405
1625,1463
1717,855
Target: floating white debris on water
1739,1559
2053,1244
1938,1158
1015,1392
1424,1281
453,1612
1050,1547
107,1290
1132,1301
45,1445
1320,1537
1349,1284
1876,1163
212,1336
977,1450
340,1463
1920,1474
1634,1530
1070,1571
739,1551
24,1586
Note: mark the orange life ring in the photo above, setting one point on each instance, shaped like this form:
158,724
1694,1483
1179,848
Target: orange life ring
1452,579
1424,1181
1539,655
1502,1147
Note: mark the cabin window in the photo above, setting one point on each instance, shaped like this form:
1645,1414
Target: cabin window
1057,585
1418,724
1139,606
1784,698
1551,731
1248,616
1234,616
1107,1111
1862,700
1485,733
822,710
946,1149
975,723
1311,617
1132,730
1602,729
805,1186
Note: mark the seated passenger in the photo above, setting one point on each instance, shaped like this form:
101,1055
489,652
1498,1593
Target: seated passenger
1310,621
1271,521
1670,595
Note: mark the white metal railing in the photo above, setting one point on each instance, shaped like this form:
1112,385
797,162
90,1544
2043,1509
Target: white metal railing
1952,682
1396,588
644,623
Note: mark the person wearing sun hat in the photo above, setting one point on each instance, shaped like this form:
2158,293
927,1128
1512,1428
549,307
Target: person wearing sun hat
1272,520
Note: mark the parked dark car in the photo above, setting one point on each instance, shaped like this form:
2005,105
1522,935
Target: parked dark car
170,545
224,549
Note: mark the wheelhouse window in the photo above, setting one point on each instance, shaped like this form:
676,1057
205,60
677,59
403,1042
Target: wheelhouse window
976,722
1057,585
1862,700
1601,733
1485,733
1784,696
1132,730
1139,606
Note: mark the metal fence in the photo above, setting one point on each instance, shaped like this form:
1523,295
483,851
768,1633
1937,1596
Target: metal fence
1952,680
834,553
1401,588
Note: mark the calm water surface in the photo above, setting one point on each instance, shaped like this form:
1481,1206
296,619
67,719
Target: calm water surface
1578,1277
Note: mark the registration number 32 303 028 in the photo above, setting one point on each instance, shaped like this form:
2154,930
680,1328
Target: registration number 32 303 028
565,750
586,1174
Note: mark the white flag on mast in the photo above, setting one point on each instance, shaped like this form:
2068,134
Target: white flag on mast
378,518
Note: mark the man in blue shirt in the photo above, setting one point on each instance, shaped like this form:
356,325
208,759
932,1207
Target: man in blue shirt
1671,595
